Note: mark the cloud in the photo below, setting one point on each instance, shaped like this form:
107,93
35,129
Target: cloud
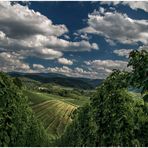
126,52
87,72
118,27
38,66
47,53
12,62
95,69
76,72
111,42
110,2
65,61
28,47
18,21
66,36
95,46
101,9
143,48
143,5
2,35
30,33
84,36
106,66
63,45
123,52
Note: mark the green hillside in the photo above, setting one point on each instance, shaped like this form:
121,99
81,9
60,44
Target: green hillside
53,111
80,83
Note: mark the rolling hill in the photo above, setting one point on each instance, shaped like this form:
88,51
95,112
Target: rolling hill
53,111
82,83
54,97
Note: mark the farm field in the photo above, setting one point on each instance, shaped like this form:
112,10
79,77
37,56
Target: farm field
53,111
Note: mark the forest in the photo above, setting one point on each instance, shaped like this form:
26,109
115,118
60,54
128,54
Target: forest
115,113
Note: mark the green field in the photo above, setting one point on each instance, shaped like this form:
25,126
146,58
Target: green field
53,111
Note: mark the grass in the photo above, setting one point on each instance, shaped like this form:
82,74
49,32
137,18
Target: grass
54,111
54,115
37,97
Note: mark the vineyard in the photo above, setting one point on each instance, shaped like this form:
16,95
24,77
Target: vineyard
54,115
53,111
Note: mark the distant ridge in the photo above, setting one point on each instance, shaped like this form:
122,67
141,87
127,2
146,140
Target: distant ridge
75,82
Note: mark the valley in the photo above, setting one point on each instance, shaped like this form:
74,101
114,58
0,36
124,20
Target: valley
53,104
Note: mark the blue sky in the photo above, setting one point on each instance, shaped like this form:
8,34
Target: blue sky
79,39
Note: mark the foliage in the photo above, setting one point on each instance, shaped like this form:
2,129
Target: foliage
139,75
114,117
81,131
17,81
18,126
117,118
64,92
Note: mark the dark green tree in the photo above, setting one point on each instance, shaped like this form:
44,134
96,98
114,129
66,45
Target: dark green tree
81,132
17,81
138,60
18,125
115,113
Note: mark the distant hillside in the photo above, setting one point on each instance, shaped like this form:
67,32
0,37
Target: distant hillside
83,83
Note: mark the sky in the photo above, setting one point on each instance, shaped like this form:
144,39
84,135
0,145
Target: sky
78,39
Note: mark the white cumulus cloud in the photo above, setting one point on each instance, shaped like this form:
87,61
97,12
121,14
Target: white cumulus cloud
106,66
118,27
38,66
122,52
65,61
143,5
28,33
12,62
126,52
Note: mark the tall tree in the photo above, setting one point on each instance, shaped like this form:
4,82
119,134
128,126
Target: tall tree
138,60
18,125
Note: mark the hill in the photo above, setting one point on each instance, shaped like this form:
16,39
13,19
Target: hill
82,83
53,111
